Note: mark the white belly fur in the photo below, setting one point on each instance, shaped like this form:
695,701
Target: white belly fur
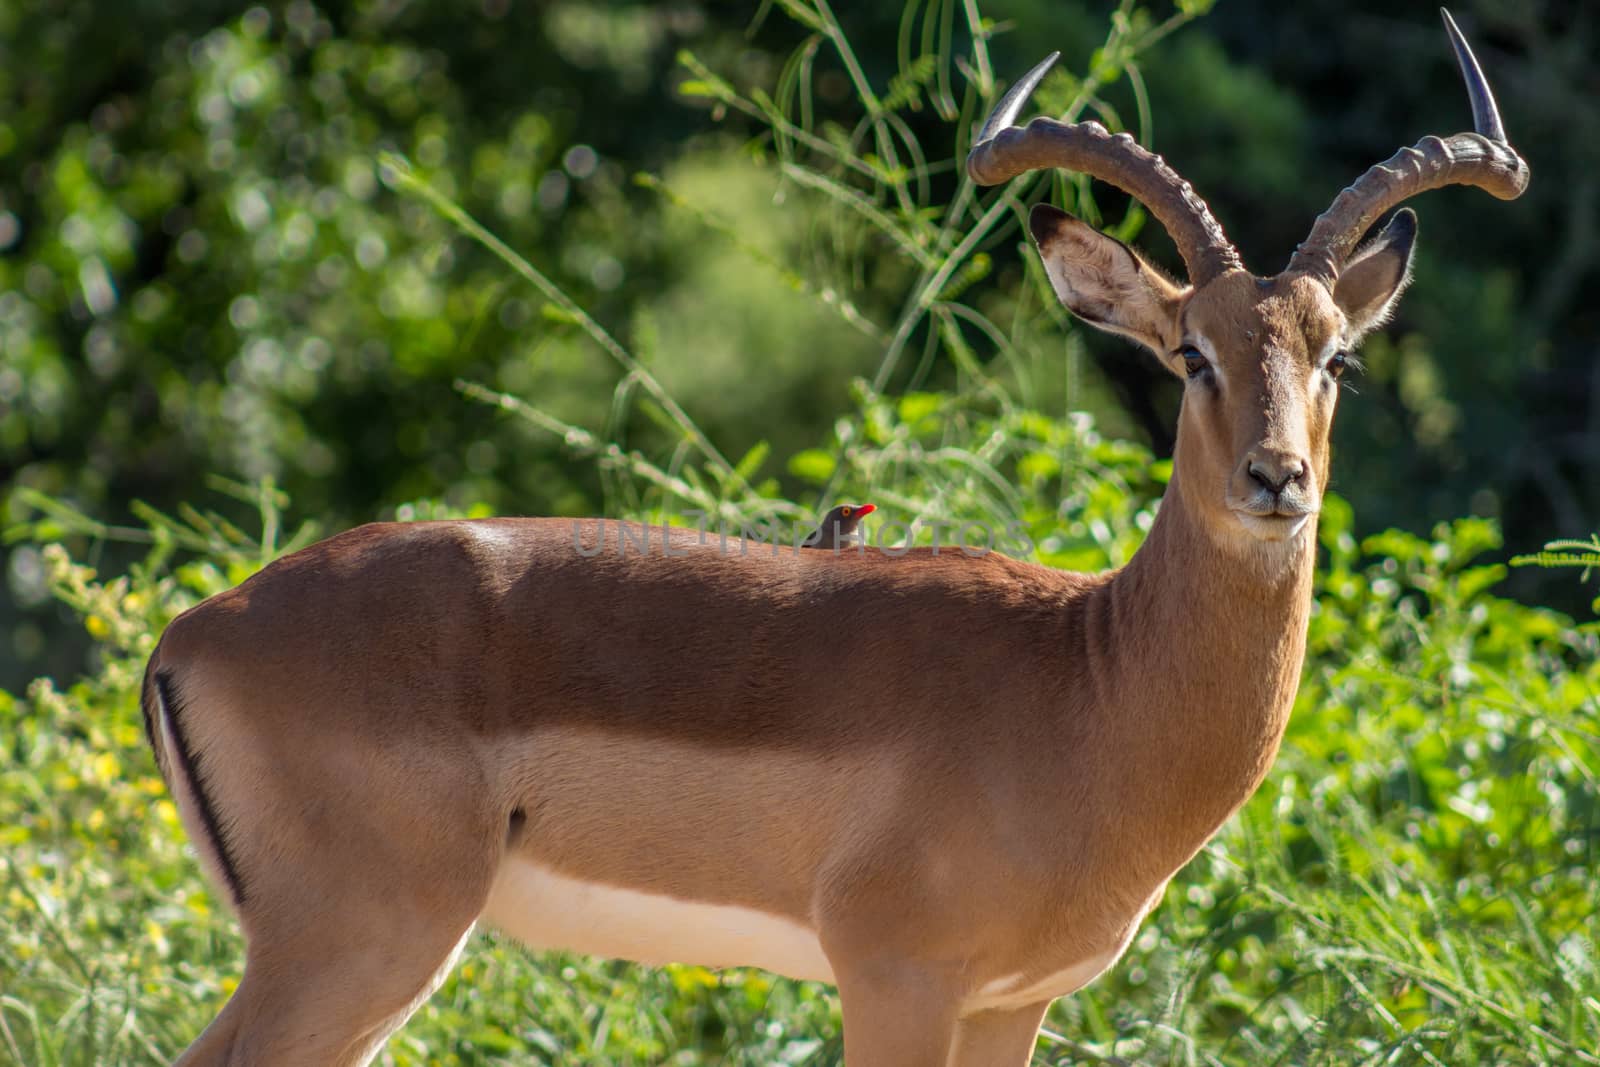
544,909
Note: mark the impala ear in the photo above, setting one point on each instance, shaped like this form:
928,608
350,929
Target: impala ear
1370,284
1104,282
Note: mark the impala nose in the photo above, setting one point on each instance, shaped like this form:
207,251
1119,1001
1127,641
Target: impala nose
1274,471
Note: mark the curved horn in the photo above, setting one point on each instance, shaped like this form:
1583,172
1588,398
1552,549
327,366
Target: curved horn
1485,159
1003,151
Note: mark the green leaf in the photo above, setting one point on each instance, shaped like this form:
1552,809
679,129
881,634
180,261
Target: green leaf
1038,465
695,87
556,313
914,407
752,460
813,464
1475,580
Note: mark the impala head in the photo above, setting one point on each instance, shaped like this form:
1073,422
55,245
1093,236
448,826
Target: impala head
1260,356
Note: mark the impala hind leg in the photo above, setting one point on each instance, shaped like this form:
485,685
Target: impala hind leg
998,1038
320,1000
361,871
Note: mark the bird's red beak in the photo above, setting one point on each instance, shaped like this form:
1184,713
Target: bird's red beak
866,509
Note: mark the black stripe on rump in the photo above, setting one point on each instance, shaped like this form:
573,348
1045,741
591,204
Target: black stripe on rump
146,691
190,765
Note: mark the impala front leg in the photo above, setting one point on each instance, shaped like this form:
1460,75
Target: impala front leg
997,1038
898,1013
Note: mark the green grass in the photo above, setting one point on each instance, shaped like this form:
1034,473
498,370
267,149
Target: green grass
1414,883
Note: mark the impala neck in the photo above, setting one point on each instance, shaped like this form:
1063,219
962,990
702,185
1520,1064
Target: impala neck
1209,637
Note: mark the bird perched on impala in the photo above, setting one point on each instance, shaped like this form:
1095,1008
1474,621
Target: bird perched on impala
839,527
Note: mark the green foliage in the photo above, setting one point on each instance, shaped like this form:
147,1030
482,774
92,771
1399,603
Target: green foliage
1564,553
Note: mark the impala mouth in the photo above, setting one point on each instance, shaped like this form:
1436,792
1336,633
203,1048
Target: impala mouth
1281,521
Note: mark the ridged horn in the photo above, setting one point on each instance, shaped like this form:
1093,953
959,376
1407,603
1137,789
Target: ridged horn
1002,151
1483,158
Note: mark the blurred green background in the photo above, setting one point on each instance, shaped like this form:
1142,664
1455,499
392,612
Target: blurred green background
201,271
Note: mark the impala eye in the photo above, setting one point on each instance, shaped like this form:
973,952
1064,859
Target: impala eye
1194,363
1338,362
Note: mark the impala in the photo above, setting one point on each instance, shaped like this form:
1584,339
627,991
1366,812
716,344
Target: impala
951,786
